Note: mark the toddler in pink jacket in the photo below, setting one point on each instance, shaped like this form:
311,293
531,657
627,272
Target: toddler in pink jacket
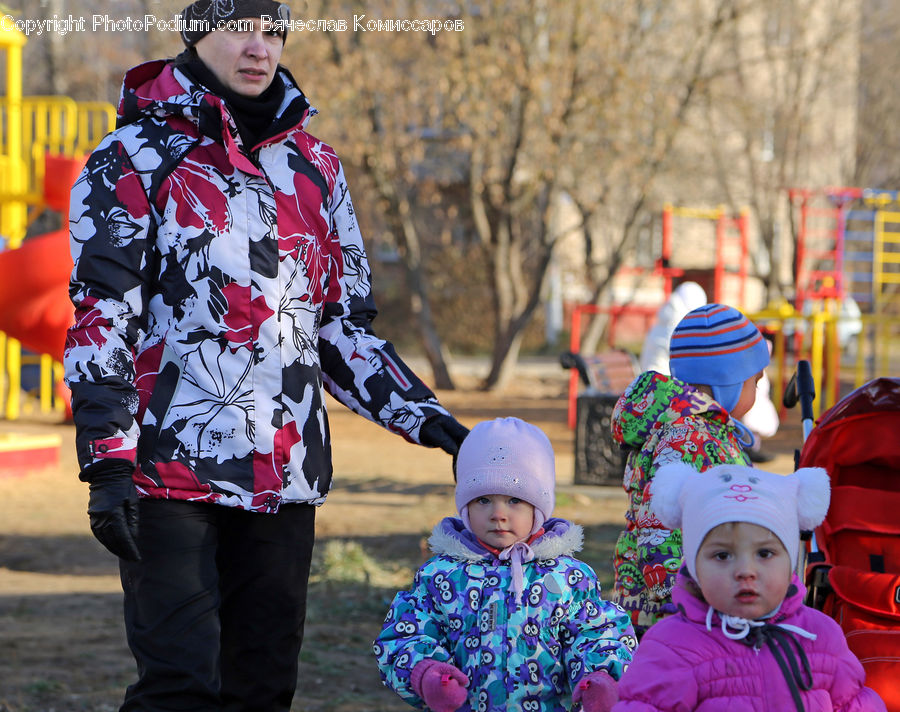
742,639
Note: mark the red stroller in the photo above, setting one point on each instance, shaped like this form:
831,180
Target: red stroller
854,576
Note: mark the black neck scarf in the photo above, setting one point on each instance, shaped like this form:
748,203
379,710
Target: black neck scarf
255,116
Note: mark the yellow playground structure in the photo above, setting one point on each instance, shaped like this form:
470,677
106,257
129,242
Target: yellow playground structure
43,145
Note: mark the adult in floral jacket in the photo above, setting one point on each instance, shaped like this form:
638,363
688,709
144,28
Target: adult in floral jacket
221,288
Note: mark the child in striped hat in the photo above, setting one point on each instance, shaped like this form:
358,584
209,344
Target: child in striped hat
716,356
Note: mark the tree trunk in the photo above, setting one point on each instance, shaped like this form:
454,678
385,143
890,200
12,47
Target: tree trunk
56,50
399,215
516,303
420,303
504,359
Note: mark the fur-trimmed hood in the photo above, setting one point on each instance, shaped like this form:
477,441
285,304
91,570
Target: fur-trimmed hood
450,537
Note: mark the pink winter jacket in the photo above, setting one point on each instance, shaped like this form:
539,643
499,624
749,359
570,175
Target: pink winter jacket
680,665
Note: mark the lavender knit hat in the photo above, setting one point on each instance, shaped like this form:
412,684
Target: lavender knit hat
697,502
717,346
203,16
507,456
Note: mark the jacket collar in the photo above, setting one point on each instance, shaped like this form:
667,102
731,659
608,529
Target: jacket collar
158,89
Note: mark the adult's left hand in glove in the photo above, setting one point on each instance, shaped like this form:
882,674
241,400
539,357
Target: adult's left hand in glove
443,431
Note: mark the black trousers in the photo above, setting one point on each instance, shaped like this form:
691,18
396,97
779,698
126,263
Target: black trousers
214,611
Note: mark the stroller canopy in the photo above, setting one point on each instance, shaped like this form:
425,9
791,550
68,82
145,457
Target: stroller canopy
858,443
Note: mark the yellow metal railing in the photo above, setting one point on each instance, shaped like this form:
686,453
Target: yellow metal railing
885,258
46,125
873,351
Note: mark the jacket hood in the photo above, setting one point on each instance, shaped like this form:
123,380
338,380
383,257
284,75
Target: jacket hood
158,89
654,400
451,538
686,596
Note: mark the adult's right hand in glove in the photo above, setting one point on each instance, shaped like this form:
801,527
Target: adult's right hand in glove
443,431
441,685
112,507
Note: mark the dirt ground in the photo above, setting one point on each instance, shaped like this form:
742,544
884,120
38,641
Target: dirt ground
62,643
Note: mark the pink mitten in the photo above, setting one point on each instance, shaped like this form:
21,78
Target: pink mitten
597,692
441,685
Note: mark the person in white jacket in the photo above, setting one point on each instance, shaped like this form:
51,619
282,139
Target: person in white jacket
686,297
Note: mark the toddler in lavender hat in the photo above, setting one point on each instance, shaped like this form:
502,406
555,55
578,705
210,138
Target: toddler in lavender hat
503,616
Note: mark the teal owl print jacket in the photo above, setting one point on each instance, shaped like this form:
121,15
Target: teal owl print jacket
524,652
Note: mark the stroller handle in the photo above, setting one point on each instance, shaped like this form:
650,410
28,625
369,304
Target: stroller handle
802,388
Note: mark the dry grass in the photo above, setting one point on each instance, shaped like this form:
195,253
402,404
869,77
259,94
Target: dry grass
61,635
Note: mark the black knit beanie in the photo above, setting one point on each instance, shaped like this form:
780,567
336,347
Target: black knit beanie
203,16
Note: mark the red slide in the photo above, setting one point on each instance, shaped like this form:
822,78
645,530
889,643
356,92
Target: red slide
34,293
34,278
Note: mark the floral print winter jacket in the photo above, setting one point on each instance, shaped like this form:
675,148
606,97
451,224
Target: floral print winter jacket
525,655
220,290
661,419
685,663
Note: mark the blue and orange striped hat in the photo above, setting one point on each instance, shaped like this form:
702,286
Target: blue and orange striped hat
717,346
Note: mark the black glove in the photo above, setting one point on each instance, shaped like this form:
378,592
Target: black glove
112,508
443,431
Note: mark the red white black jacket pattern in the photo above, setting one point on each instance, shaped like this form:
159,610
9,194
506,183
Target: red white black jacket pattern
219,292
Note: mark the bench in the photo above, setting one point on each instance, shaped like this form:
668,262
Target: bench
598,458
